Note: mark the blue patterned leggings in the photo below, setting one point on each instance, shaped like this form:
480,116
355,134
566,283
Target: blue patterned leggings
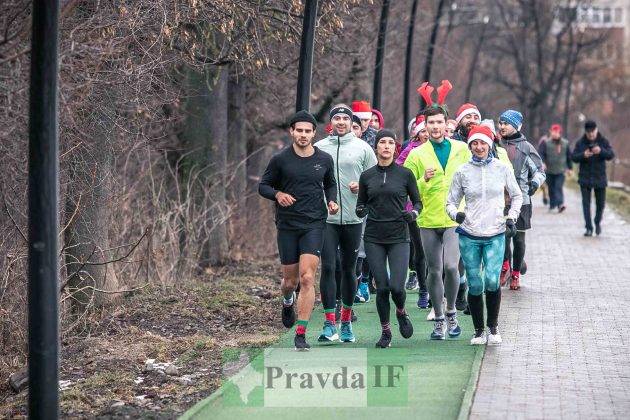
482,253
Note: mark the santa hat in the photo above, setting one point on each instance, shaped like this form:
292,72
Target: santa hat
362,109
411,125
466,109
556,127
481,132
420,125
381,120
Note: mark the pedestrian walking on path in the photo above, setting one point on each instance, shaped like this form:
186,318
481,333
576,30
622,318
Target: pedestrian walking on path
592,151
383,193
417,263
300,180
351,157
528,169
555,153
482,230
433,164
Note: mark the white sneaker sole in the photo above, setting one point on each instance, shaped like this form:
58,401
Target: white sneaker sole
478,341
494,340
324,339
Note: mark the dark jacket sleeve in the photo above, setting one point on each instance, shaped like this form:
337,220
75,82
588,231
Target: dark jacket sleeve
362,197
569,162
542,150
269,180
607,151
578,152
412,191
330,184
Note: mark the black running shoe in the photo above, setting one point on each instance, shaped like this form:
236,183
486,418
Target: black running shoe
598,230
300,343
385,340
589,232
460,302
288,314
404,325
467,310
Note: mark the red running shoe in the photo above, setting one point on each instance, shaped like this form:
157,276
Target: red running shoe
506,272
514,282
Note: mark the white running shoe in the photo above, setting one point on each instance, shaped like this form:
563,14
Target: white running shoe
494,338
479,339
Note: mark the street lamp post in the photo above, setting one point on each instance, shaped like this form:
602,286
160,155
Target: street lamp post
305,69
43,192
380,51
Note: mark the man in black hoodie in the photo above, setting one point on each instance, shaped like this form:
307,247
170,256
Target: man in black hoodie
592,151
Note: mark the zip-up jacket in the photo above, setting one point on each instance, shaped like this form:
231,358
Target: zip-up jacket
482,185
433,192
383,190
528,166
351,156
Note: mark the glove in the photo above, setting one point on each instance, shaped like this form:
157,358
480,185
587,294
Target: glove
532,188
361,211
410,216
510,228
461,216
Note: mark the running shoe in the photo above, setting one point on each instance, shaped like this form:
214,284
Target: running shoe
288,313
460,302
412,281
515,282
300,343
589,232
329,333
494,338
431,315
506,272
467,310
423,299
479,339
523,267
454,330
562,208
358,298
404,325
346,335
598,230
438,330
385,340
364,291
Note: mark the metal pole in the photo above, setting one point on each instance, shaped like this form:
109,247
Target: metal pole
380,50
408,57
43,165
429,62
303,98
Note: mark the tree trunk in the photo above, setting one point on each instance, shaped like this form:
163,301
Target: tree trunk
237,142
87,213
205,135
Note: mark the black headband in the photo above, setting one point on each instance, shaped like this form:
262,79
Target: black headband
340,110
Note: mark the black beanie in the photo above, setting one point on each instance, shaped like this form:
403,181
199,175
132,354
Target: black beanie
340,110
386,132
302,116
590,125
356,119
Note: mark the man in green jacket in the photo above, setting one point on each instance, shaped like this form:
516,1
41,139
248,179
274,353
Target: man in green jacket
433,164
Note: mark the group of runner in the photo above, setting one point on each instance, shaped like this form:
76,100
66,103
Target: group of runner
445,211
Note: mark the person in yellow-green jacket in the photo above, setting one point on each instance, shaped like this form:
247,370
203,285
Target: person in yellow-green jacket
433,164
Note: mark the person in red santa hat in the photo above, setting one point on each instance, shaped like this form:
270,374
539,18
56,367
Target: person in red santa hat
468,115
363,110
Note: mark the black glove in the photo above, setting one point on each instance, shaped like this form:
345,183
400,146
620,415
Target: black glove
410,216
532,189
361,211
461,216
510,228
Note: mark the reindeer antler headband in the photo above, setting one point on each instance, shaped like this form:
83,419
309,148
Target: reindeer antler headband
426,90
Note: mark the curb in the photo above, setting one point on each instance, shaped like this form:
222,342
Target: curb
471,389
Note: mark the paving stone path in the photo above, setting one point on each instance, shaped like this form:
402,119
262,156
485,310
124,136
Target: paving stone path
566,349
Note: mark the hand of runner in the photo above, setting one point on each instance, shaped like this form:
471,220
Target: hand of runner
361,211
461,216
410,216
532,189
333,208
354,187
428,174
510,228
285,200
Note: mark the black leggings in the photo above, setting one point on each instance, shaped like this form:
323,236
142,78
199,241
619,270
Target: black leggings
396,257
519,250
419,262
345,240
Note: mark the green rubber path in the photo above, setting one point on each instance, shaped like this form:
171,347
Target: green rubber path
419,378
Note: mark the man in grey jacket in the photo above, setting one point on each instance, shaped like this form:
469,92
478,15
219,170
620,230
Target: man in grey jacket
528,169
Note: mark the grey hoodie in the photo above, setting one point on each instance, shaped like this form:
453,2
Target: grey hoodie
528,166
351,156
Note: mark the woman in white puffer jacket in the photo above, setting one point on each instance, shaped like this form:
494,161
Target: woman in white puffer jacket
483,227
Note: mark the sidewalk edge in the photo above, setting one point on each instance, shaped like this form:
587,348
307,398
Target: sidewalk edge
471,389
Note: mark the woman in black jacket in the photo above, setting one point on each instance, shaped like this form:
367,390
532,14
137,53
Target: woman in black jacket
592,151
383,192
